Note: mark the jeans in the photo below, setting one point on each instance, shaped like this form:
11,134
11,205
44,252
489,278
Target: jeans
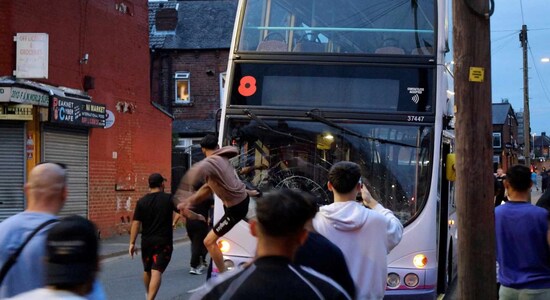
506,293
197,231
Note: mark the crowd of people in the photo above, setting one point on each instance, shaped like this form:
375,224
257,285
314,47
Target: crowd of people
303,251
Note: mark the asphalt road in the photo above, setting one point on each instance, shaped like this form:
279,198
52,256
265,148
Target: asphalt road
122,277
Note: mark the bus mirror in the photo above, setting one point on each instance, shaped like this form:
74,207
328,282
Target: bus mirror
451,171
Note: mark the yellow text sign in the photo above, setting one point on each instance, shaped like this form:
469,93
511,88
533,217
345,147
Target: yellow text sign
477,74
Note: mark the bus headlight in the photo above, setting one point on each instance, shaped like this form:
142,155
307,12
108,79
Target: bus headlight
420,261
393,281
411,280
224,246
229,264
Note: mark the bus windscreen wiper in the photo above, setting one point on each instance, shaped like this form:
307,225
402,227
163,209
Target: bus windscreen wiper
318,117
252,116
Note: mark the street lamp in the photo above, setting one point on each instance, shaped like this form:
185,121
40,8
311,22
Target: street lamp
545,59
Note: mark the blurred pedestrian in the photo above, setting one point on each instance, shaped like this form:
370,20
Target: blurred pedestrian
279,227
544,200
71,261
323,256
523,241
197,231
534,179
500,191
153,213
46,194
346,222
544,180
222,180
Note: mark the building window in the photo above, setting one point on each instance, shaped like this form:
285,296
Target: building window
183,87
497,142
192,147
496,159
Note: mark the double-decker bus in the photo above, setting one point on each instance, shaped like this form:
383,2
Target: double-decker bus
314,82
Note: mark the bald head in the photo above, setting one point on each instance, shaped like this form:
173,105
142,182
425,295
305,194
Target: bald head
46,188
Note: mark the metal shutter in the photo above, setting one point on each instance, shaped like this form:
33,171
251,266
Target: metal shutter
70,146
12,168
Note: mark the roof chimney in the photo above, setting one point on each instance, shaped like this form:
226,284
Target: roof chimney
166,19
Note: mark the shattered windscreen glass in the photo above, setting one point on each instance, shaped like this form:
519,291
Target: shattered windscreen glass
395,160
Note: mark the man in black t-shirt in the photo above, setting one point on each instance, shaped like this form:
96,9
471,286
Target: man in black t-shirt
154,213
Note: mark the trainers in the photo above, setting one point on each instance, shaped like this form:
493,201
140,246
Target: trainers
195,271
201,268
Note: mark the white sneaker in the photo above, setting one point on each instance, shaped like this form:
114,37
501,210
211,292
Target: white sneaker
201,268
195,271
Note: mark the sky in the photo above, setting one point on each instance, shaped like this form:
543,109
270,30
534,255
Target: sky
507,57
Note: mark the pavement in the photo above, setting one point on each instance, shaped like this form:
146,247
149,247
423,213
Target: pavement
117,245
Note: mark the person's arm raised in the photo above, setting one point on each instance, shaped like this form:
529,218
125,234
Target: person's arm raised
395,228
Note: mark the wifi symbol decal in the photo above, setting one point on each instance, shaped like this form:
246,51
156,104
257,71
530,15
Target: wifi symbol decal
415,99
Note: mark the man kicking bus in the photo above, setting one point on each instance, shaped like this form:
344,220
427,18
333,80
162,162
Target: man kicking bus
221,179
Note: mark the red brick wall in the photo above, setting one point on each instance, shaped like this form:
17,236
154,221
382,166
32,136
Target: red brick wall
7,48
205,88
117,45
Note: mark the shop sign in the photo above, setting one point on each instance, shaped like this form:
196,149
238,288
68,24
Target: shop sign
23,96
5,94
20,112
31,55
110,121
78,113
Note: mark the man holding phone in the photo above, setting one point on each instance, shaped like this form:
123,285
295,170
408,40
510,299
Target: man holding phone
365,236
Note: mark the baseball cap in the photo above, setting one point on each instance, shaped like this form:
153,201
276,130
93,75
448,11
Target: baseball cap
71,251
156,180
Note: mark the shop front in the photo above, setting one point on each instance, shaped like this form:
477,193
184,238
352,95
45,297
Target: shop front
44,123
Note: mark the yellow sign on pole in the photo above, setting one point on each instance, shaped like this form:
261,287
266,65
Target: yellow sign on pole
477,74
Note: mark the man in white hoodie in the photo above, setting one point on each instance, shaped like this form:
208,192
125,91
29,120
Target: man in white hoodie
364,235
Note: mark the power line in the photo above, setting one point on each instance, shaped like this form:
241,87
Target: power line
503,41
521,6
515,30
541,80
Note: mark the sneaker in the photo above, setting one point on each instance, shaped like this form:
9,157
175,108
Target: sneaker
195,271
201,268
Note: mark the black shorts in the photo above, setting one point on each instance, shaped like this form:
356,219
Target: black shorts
155,257
231,217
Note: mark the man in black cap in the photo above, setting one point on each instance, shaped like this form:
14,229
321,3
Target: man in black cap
71,262
153,213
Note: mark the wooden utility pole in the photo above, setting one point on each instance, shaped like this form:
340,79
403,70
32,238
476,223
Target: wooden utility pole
526,115
474,151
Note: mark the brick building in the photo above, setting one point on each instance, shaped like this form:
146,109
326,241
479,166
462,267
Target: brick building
506,150
189,43
97,58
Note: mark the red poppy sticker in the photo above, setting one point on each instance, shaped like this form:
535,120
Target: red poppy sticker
248,86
